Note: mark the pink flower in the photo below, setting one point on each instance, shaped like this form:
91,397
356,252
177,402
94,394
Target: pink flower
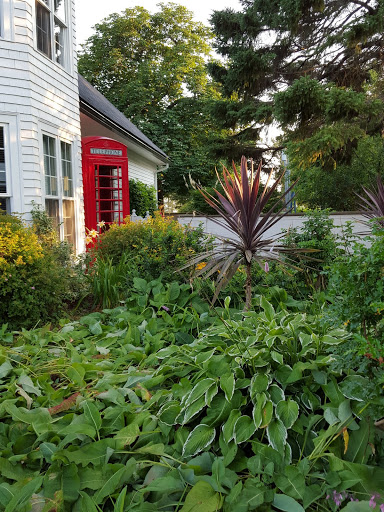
266,266
382,508
32,287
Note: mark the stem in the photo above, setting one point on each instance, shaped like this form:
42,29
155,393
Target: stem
248,288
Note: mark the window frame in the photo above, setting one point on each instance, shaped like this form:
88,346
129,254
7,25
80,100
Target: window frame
7,161
60,196
54,21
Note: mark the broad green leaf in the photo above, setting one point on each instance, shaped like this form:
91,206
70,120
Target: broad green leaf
70,482
166,484
277,357
92,453
357,506
126,436
312,493
87,503
24,495
244,429
229,425
200,437
355,387
109,486
79,428
202,498
5,369
6,494
286,503
26,383
92,414
292,482
95,328
199,390
268,309
48,449
266,414
227,384
169,413
277,434
76,373
259,383
210,394
119,504
288,412
195,408
276,393
359,448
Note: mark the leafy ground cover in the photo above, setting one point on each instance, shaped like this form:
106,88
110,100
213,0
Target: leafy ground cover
163,404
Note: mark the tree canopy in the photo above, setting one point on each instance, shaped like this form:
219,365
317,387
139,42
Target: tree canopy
313,67
152,67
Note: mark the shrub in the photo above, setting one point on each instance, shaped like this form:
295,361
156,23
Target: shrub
356,287
35,281
142,198
154,247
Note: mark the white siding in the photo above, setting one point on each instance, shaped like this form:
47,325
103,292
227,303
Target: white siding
44,98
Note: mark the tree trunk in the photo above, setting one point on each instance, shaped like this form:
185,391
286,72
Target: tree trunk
248,288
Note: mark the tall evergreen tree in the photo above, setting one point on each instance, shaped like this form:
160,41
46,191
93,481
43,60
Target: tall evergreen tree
314,67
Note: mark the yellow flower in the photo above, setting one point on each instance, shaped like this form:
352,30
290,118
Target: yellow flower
88,239
201,265
101,224
93,233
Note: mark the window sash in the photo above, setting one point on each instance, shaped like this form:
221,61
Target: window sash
43,29
50,170
3,174
51,29
66,168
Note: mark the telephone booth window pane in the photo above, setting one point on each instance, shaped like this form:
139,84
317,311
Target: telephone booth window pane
108,185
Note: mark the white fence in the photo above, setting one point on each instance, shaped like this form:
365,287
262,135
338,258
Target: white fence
287,222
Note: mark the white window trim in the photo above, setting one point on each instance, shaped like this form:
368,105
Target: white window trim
67,33
12,158
59,137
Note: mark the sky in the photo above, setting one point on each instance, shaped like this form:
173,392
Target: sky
89,12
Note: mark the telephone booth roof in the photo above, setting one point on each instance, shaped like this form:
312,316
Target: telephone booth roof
103,147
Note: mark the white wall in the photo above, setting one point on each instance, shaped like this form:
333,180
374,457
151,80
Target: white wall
290,221
41,97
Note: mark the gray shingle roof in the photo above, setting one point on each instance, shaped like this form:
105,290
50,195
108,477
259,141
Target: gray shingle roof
93,98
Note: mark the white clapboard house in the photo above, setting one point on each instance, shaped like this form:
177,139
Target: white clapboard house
62,144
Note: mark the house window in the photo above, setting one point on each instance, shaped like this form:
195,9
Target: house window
59,189
4,192
51,29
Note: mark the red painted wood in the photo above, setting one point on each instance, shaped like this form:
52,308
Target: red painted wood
108,156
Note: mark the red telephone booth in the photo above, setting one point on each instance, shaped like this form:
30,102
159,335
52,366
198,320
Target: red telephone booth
105,181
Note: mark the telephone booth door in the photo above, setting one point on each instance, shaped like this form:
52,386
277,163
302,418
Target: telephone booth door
105,182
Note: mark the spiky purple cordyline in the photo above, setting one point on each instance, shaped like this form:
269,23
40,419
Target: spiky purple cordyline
373,203
240,210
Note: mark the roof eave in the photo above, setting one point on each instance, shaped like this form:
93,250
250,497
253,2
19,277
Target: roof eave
93,113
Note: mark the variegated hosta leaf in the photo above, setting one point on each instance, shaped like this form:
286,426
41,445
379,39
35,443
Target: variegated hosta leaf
200,437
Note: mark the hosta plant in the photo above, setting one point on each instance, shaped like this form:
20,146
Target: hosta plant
240,210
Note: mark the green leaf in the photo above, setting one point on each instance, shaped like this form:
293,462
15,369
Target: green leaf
268,309
87,504
200,437
292,482
5,369
76,373
277,434
119,505
229,425
259,383
26,383
276,393
277,357
227,384
360,506
244,429
109,486
92,414
288,412
199,389
24,494
202,498
286,503
355,387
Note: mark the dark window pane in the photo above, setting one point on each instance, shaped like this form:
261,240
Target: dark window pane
69,222
4,204
52,209
43,29
3,183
